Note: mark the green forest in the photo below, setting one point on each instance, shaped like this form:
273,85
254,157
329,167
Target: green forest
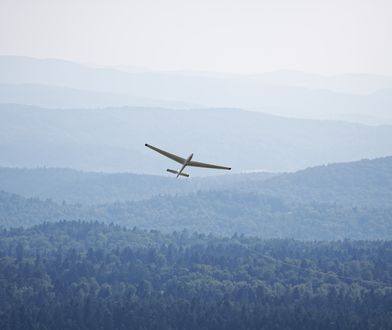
77,275
304,250
351,200
221,213
365,182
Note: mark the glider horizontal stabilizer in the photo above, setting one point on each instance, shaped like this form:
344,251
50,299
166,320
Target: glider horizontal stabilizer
176,172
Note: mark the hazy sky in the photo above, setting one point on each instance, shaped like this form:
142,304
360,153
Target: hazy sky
334,36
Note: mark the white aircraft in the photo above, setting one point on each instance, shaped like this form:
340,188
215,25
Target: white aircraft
185,162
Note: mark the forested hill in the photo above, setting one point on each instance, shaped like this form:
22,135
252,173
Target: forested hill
222,213
365,182
95,188
74,275
332,202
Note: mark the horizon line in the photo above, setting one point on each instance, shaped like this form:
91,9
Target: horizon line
144,69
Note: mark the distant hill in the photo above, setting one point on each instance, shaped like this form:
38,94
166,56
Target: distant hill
221,213
65,97
94,188
28,70
112,139
365,182
362,183
292,94
319,203
341,83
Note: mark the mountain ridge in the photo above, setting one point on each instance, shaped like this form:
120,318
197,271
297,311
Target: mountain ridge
292,98
356,208
112,139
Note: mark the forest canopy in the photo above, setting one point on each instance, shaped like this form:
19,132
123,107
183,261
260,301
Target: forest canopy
71,275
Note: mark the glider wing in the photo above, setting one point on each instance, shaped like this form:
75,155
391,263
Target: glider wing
199,164
176,158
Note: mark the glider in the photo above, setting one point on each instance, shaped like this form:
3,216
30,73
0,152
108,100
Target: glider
185,162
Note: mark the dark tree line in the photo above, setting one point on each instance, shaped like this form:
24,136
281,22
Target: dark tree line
76,275
222,213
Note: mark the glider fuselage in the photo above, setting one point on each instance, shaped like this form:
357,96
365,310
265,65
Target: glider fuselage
185,164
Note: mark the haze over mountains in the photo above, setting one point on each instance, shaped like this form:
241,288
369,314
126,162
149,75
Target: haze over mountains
57,113
74,186
64,97
112,139
359,98
350,200
361,183
99,120
94,231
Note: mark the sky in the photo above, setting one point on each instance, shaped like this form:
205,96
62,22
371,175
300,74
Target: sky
231,36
